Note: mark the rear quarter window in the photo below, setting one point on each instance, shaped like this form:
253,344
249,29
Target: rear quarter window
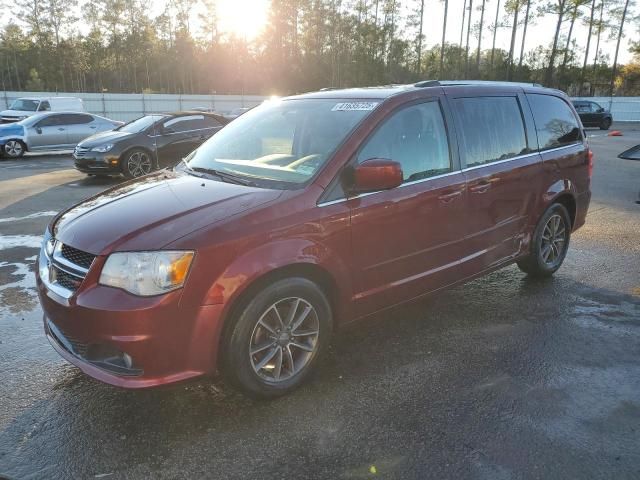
556,125
492,129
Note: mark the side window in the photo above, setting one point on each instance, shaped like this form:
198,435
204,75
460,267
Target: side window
79,118
555,122
595,108
582,107
186,123
66,119
415,137
44,106
210,122
49,121
492,129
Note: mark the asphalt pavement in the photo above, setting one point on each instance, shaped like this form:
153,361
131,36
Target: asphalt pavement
502,378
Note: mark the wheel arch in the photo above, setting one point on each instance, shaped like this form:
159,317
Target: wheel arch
127,150
563,192
310,271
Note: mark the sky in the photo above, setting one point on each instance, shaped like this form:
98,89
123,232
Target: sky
246,18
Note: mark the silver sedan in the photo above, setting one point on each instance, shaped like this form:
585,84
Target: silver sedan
51,131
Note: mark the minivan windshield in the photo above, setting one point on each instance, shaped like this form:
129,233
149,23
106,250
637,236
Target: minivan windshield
281,141
140,124
25,105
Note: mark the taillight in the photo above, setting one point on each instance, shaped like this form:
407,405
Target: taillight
590,156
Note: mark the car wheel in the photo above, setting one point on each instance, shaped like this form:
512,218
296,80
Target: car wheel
277,338
606,123
549,244
14,149
136,163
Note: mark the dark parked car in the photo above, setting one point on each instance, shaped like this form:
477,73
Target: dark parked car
593,115
146,144
304,215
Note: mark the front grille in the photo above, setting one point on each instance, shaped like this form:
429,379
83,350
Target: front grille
77,257
80,151
66,268
66,280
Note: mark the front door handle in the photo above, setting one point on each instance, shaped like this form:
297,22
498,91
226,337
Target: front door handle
449,197
61,129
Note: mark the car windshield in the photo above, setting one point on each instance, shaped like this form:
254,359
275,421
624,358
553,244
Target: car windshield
140,124
283,141
25,105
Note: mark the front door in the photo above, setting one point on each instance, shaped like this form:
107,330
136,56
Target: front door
177,137
409,240
49,133
503,173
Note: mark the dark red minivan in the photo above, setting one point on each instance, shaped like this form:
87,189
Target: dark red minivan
305,214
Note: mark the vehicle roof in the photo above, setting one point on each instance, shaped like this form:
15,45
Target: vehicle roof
386,91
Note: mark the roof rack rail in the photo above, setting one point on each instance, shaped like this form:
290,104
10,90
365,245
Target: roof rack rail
442,83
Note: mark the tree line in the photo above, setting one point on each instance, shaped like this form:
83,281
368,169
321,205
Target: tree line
311,44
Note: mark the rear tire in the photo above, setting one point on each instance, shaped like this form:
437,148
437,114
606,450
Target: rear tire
277,338
606,123
549,243
14,149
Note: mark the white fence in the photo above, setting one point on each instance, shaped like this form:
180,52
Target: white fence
125,107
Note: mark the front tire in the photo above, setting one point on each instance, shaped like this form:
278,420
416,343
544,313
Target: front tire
277,338
136,163
14,149
549,244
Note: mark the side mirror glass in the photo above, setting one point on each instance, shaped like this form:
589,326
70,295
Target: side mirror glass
376,174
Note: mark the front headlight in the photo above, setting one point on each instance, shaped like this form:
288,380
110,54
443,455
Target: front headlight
146,273
103,148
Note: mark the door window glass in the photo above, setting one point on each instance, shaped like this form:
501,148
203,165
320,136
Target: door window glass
595,108
492,129
79,118
50,121
415,137
555,122
184,124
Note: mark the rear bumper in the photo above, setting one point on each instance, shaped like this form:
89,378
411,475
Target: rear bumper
582,207
129,341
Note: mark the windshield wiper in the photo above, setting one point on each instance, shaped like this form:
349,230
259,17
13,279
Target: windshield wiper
225,176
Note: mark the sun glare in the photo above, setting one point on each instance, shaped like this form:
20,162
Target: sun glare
244,18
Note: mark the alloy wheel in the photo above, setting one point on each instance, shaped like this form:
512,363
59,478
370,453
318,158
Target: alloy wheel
554,240
284,340
13,148
138,164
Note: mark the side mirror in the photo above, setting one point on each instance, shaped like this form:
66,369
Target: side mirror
376,174
39,130
600,110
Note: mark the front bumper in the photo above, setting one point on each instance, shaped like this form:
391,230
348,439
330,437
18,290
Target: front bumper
129,341
98,163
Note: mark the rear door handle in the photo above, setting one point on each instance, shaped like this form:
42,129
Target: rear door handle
449,197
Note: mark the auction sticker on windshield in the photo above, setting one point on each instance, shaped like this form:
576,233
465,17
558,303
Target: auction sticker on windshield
349,106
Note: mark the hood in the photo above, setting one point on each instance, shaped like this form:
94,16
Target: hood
109,136
16,113
151,212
